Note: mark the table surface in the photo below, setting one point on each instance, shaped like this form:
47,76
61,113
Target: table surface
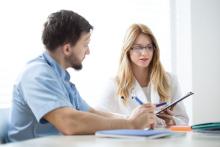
184,140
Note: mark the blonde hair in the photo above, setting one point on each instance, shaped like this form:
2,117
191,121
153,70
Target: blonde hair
125,78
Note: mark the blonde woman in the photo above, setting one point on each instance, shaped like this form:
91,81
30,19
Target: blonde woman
141,74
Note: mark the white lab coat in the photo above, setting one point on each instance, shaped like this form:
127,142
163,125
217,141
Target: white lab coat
111,102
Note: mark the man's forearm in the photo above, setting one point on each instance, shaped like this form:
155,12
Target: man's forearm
70,121
108,114
91,122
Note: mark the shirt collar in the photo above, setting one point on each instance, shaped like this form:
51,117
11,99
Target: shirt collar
56,67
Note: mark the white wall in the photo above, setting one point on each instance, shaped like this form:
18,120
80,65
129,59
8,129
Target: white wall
205,20
21,27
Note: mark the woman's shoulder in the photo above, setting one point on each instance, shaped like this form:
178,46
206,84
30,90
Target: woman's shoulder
172,78
107,96
109,85
111,81
174,85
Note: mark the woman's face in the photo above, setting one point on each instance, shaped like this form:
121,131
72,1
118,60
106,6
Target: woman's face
142,51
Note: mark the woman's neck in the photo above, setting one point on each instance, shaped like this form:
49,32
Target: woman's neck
141,75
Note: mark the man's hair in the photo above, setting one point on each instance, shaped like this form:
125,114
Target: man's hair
63,27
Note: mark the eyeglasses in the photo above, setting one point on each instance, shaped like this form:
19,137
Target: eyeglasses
139,49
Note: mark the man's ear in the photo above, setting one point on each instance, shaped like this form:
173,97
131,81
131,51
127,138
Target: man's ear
66,49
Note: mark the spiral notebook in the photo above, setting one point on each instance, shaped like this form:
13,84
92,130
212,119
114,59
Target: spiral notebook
134,133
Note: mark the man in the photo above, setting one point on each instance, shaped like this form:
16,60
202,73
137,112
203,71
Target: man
45,102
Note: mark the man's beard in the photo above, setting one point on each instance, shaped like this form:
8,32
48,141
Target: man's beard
77,66
74,62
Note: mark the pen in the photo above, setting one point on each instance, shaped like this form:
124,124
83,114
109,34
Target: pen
141,103
138,100
161,104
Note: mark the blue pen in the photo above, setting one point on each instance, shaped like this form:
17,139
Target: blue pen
138,100
141,103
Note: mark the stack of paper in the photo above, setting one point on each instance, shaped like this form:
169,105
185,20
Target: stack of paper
133,133
212,127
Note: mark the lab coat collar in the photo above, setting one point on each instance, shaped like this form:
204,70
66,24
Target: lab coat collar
138,91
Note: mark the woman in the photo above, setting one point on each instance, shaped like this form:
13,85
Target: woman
141,74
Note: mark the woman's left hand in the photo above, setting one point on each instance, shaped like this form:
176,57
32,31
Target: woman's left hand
167,116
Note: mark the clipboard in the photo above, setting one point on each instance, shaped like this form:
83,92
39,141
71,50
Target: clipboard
174,103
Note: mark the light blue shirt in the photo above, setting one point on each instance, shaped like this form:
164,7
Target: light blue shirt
42,87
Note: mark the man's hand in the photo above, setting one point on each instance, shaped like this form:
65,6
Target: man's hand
143,116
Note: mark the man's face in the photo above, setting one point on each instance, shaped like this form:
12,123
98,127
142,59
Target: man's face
79,51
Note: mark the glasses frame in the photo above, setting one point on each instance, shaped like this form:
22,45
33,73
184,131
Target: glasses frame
140,49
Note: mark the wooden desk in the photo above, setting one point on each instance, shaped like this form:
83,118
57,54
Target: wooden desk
187,140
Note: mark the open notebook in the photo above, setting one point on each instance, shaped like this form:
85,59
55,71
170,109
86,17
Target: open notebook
133,133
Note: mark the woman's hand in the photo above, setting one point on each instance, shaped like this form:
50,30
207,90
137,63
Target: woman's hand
167,116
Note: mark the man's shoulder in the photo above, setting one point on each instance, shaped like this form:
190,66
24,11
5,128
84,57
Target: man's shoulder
38,66
34,68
